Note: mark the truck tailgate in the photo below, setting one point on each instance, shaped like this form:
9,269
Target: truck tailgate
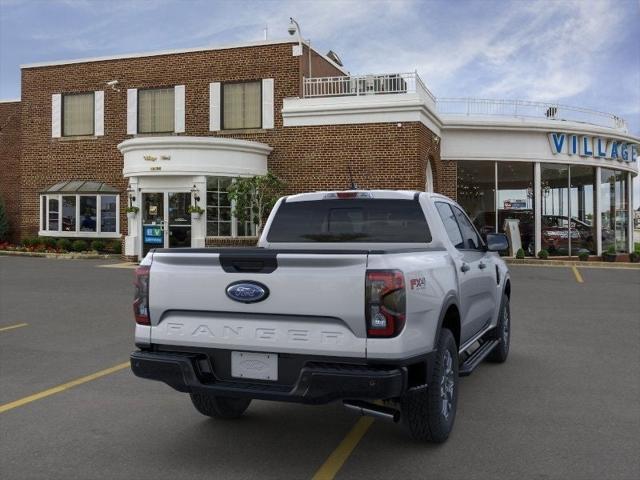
315,304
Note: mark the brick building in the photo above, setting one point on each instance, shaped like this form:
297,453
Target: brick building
161,131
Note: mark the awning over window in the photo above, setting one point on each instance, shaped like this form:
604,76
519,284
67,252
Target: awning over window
81,186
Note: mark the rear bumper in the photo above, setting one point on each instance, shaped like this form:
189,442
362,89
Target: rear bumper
317,382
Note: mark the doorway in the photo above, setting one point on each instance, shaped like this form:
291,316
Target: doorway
166,222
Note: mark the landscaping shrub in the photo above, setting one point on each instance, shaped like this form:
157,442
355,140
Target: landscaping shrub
116,247
64,244
583,256
29,242
48,242
79,246
520,253
4,222
98,245
543,254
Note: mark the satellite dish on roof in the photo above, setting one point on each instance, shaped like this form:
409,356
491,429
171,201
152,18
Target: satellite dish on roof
333,56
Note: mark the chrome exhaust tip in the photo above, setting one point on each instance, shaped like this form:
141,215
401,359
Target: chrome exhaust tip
373,410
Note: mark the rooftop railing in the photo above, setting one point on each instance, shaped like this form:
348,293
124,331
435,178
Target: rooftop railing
528,109
357,85
401,83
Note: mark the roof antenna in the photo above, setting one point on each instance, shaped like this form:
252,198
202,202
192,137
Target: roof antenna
353,185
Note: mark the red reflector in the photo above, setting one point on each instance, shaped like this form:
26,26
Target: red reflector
141,296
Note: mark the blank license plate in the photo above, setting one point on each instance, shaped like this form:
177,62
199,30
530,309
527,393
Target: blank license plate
260,366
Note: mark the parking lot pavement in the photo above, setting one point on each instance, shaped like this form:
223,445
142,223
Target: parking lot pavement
565,405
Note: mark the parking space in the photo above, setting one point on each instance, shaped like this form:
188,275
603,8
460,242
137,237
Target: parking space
565,405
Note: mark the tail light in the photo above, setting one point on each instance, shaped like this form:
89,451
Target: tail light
385,308
141,297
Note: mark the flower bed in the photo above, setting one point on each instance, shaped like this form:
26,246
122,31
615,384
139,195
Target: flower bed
63,245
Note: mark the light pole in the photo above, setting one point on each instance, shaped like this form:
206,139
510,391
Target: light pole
294,28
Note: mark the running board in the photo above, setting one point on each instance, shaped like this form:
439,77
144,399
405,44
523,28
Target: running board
477,357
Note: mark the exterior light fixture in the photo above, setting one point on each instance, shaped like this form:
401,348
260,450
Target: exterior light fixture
195,193
132,197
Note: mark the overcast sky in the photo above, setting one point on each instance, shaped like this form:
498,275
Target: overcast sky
583,52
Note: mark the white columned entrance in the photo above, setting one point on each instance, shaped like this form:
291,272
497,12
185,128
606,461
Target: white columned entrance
168,174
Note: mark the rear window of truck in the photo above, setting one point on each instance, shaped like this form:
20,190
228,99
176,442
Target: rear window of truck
350,220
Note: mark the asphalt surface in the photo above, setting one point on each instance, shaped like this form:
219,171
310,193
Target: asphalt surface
565,405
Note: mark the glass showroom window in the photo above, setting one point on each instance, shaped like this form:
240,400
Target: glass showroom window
80,215
581,204
614,210
516,200
77,114
555,208
476,193
220,219
156,110
241,105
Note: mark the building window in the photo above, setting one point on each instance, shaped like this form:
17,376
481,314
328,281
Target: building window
156,110
78,114
476,193
614,210
221,222
242,105
516,201
80,215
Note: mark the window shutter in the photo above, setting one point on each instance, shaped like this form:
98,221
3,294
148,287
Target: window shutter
267,103
56,115
98,111
179,108
214,106
132,111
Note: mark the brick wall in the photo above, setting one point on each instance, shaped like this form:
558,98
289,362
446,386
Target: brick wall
307,158
10,163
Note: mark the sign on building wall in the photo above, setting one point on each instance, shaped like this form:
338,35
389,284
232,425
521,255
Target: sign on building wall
153,235
590,146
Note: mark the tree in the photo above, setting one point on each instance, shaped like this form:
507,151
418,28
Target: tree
4,222
254,197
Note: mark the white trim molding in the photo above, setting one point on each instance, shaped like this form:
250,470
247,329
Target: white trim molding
56,115
392,108
179,111
98,112
214,107
268,103
132,111
182,155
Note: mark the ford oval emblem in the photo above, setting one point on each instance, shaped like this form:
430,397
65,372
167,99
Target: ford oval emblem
246,291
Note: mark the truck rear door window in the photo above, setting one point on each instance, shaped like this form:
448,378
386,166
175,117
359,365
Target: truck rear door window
350,220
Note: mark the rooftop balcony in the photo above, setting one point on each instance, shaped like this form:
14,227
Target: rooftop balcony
411,83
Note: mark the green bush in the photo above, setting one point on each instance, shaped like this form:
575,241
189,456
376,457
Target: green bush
611,250
520,253
98,245
29,242
64,244
79,246
116,247
583,256
636,247
4,222
48,242
543,254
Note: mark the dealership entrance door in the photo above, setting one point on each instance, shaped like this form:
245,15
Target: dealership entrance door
166,223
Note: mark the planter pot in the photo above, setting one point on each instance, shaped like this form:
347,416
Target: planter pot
609,257
195,216
634,257
131,216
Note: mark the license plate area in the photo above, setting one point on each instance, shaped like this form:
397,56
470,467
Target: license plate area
257,366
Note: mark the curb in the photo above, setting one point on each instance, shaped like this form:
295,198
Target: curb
571,263
63,256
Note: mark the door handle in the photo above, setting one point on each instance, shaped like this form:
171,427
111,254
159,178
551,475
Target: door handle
482,266
465,267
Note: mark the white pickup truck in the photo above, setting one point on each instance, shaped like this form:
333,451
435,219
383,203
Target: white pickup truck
352,296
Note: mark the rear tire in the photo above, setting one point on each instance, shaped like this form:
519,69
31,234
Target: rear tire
429,413
219,407
502,332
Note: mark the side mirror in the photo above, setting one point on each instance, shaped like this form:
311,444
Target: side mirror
497,242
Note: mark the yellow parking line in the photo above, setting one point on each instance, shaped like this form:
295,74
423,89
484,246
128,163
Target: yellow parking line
577,274
334,463
11,327
60,388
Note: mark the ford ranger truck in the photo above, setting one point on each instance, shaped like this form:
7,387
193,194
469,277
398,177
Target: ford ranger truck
378,299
